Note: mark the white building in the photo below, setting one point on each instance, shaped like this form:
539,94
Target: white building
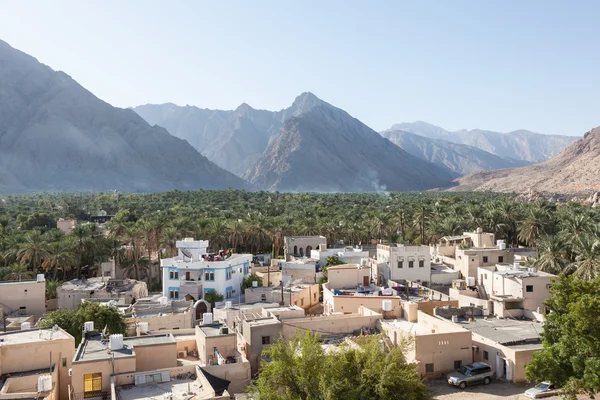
195,272
349,255
402,262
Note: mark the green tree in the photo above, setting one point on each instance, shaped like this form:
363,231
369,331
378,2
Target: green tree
212,296
34,251
571,338
300,369
72,320
247,282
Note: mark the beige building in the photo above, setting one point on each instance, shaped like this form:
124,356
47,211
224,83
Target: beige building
27,355
435,346
399,262
301,295
22,298
157,314
506,344
70,294
301,246
348,289
66,225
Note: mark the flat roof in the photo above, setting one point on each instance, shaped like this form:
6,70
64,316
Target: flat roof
21,282
95,349
264,321
213,329
179,388
507,332
33,336
408,327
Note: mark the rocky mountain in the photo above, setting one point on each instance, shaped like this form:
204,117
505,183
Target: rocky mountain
234,140
325,149
518,145
57,136
459,158
576,169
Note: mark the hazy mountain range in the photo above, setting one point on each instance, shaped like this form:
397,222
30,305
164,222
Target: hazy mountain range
57,136
576,169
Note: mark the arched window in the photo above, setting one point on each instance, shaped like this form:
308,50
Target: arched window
301,252
295,250
308,250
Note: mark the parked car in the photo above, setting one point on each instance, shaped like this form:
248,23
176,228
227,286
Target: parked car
544,389
467,375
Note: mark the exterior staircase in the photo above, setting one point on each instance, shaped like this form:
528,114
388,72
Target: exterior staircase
481,292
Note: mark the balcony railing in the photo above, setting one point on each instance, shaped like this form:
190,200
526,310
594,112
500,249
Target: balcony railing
190,283
95,395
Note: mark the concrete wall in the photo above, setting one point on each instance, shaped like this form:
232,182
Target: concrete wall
274,277
330,324
104,367
150,358
351,304
28,294
183,320
25,387
226,344
302,242
468,260
253,343
428,306
404,254
347,276
239,374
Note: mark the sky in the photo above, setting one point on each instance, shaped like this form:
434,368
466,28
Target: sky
499,65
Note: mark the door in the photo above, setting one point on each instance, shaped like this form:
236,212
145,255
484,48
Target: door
92,385
365,281
188,276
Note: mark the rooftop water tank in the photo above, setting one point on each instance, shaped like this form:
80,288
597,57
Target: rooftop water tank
227,304
25,325
164,300
88,326
254,283
387,305
470,281
143,327
44,383
207,318
115,342
455,318
41,278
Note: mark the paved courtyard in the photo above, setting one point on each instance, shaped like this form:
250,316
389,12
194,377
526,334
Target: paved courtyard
497,390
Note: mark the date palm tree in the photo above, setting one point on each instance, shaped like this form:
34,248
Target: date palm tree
33,251
61,256
587,260
552,255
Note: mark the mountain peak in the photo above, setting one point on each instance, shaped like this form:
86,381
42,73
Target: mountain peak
304,102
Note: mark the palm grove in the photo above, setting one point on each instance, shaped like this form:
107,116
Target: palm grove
145,226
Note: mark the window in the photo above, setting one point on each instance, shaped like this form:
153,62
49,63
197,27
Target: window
411,264
529,288
173,274
228,273
429,368
64,362
301,302
485,259
173,293
486,355
421,263
400,264
209,275
500,259
229,292
457,364
266,340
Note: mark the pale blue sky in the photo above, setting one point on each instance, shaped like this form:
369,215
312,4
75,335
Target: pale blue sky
499,65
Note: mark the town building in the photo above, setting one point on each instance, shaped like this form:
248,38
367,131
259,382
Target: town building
348,288
302,246
347,254
194,271
304,270
399,262
507,345
301,295
66,225
35,363
436,348
157,313
70,294
23,298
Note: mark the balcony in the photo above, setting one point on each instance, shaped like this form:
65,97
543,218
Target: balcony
190,283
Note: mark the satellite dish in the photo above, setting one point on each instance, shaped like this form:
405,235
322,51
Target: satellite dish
186,253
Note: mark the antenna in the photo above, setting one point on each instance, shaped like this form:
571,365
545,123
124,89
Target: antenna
186,253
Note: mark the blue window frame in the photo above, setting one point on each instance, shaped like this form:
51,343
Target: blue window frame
208,290
246,268
209,275
228,273
173,293
229,292
173,273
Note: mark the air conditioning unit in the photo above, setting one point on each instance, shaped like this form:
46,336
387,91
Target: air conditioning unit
70,371
182,354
